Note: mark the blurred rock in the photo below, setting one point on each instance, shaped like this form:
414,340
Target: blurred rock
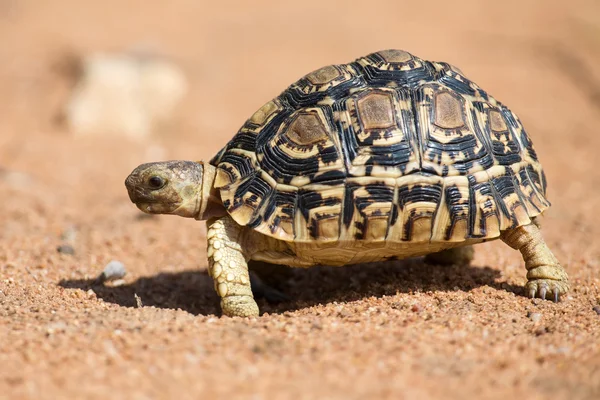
66,249
535,317
124,94
113,271
15,178
69,234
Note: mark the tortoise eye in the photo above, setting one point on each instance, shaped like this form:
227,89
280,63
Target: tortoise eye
156,182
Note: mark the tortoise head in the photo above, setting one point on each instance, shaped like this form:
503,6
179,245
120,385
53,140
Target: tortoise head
168,187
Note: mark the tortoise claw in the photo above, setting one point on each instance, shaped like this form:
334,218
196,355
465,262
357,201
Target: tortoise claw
532,291
546,287
543,291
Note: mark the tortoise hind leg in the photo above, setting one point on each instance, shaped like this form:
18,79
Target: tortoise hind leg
545,275
456,256
264,277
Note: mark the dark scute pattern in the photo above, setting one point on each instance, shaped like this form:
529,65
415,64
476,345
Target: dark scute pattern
258,189
503,187
377,193
409,78
544,183
244,140
484,189
242,163
528,146
484,136
252,192
347,136
394,215
394,155
309,199
270,207
348,207
536,179
419,192
285,205
297,99
504,157
524,177
512,155
480,106
329,155
331,178
239,192
359,234
256,221
464,146
514,125
272,127
283,167
461,87
458,206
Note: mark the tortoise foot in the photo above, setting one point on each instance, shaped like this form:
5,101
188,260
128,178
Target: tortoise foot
546,289
239,306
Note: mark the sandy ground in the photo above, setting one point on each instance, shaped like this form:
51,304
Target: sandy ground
400,330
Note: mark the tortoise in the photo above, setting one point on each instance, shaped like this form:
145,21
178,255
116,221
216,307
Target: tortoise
387,157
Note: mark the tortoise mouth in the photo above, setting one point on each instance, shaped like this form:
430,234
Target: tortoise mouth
157,207
146,202
141,195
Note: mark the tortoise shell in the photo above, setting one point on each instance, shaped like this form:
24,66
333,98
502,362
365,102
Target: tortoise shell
388,147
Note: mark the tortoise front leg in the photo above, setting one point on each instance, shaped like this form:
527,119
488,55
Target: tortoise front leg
544,273
228,267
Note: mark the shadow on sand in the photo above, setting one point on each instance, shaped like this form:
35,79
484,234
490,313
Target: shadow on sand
193,291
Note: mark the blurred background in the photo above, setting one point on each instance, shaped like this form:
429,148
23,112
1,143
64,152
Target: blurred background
91,89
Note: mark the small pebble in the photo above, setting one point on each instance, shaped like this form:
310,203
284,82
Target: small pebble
114,270
69,234
535,317
138,301
117,283
416,308
597,309
66,249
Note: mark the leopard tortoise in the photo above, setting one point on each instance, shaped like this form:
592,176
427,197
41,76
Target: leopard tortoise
387,157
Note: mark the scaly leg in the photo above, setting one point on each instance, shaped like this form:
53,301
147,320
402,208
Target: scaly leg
456,256
229,269
544,273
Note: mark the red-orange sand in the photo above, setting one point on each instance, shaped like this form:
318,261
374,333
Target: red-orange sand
401,330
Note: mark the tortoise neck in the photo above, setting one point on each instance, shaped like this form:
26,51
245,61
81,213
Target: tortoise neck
210,199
